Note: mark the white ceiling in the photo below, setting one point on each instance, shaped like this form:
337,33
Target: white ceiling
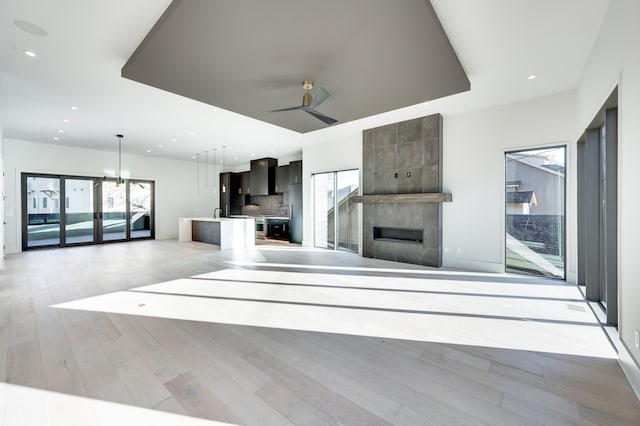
499,43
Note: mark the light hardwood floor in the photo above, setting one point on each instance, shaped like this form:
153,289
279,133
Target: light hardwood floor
278,336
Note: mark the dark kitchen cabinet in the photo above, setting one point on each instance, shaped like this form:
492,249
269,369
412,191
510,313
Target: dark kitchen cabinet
282,179
295,172
231,200
225,194
295,224
263,176
246,183
278,229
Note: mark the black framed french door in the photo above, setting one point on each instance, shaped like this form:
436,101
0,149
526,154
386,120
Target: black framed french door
61,211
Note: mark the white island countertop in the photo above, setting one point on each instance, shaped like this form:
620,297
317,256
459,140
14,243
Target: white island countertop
235,232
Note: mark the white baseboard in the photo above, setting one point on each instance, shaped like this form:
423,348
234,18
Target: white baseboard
629,368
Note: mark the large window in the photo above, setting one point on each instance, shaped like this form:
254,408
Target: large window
94,210
535,212
336,220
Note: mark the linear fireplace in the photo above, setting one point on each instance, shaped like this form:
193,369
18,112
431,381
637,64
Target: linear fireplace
398,235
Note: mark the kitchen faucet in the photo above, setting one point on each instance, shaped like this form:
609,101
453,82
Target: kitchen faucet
217,210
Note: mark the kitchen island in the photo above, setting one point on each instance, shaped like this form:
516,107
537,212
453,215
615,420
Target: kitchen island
228,233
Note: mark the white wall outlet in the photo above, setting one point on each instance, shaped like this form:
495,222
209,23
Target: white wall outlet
637,339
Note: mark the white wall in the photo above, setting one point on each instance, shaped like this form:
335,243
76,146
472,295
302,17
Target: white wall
615,60
175,190
2,250
339,154
473,171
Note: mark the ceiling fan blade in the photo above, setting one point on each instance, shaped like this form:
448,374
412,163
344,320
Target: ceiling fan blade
320,116
286,109
320,96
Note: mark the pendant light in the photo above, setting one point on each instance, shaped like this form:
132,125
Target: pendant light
119,180
198,172
206,171
224,187
215,177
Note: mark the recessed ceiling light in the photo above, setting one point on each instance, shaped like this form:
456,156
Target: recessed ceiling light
235,158
221,162
531,77
30,28
66,120
193,156
30,53
191,133
60,131
75,108
160,146
253,155
426,103
55,138
148,150
174,140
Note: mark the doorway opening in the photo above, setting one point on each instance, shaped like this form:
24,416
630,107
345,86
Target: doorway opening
535,242
62,211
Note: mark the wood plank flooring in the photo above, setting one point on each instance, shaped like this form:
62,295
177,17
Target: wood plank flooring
64,364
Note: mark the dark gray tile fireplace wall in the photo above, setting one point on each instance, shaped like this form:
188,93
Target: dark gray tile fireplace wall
403,158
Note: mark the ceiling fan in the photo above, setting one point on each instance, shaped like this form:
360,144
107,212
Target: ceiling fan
310,103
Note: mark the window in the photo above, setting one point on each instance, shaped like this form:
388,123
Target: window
66,202
535,212
34,203
44,202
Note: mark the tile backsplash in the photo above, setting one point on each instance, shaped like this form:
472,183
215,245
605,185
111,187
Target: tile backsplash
266,205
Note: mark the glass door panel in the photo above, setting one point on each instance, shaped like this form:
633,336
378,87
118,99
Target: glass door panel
535,212
59,211
348,228
43,211
114,211
336,220
79,211
323,210
140,209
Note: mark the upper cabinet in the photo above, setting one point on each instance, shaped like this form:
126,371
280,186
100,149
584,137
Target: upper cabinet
263,176
282,179
246,183
231,201
295,172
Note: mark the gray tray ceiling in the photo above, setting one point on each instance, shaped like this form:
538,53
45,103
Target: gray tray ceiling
250,56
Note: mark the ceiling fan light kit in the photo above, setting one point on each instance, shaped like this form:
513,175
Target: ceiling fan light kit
310,103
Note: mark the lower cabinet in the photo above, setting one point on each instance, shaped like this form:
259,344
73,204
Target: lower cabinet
205,231
277,229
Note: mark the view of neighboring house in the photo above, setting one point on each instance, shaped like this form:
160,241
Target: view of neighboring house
534,207
533,178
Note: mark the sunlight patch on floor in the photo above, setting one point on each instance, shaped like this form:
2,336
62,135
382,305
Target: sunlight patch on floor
25,406
433,312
